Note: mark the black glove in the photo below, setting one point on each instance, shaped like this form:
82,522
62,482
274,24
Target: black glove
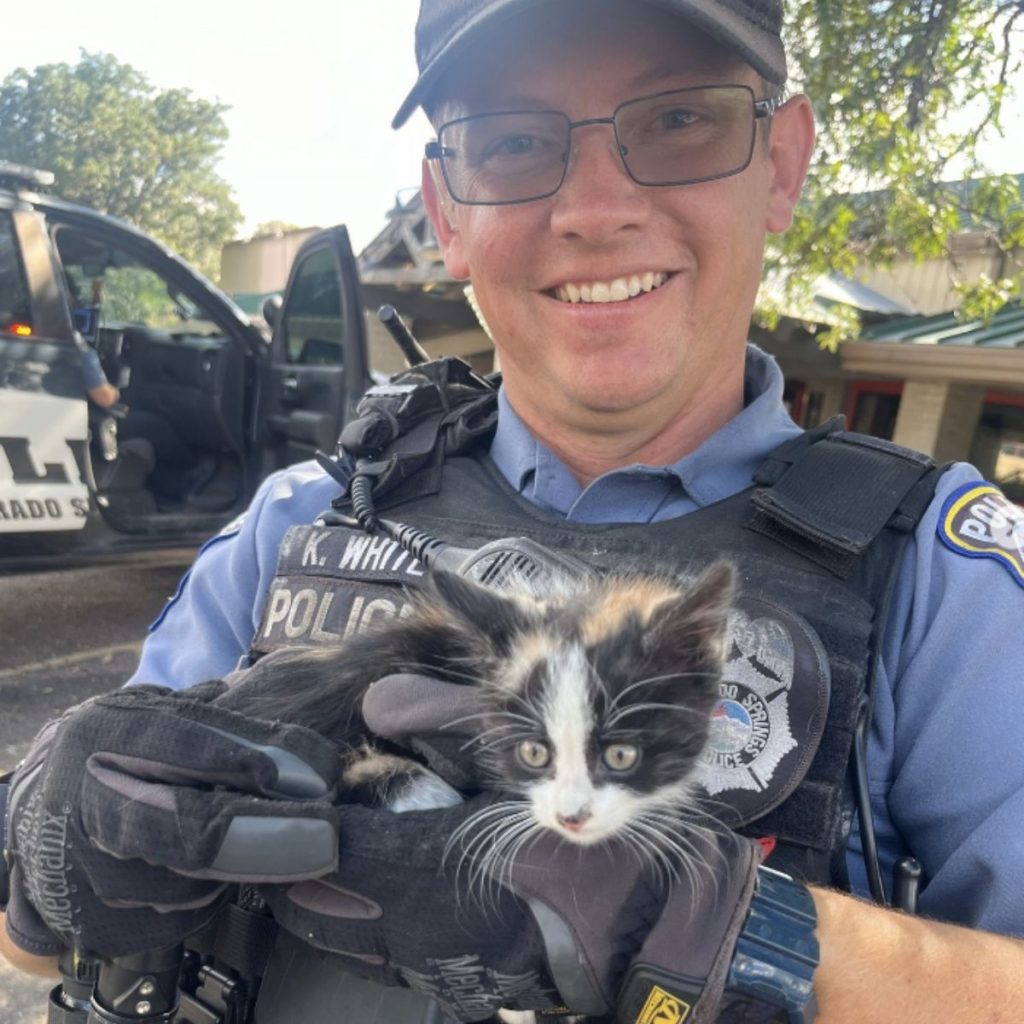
133,811
436,720
560,924
404,909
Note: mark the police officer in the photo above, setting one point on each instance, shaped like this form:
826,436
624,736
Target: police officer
605,174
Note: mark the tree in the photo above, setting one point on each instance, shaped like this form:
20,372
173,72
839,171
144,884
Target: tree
889,80
117,143
274,229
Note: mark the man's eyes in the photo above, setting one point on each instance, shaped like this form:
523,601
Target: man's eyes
674,120
518,146
515,145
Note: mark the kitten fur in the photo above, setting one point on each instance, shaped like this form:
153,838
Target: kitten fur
598,697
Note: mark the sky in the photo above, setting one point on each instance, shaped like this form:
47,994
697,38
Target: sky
312,86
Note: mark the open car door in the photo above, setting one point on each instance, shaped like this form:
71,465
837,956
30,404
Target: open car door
319,366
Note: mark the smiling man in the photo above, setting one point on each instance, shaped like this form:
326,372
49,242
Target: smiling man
605,173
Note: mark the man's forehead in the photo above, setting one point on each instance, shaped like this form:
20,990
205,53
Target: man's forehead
461,43
643,48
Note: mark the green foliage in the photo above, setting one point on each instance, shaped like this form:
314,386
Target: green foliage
274,229
117,143
903,91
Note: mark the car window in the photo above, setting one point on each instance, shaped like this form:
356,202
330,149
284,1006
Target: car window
14,304
312,327
110,287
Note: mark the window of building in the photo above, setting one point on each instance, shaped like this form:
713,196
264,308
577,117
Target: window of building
998,446
872,407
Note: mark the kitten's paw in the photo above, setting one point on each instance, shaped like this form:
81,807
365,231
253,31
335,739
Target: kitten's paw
423,791
377,779
517,1016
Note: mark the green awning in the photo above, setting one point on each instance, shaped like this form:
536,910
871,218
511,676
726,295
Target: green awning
1005,330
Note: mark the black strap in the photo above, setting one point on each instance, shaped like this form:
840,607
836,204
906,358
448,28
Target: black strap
805,500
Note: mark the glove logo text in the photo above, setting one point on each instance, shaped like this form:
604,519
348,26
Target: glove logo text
42,836
663,1008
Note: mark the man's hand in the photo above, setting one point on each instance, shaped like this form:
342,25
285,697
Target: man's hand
481,910
132,813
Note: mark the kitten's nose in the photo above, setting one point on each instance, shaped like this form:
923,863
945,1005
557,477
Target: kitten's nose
575,821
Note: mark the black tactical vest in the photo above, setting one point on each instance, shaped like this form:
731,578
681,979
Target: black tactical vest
817,539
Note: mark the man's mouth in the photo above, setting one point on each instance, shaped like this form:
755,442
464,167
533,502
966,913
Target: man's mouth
619,289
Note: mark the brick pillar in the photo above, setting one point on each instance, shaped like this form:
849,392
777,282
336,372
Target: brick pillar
939,417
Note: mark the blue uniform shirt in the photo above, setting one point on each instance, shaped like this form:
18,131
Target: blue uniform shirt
945,769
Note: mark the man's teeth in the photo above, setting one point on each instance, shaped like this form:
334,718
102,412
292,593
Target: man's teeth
611,291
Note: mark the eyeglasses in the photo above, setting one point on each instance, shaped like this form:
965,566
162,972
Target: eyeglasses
679,137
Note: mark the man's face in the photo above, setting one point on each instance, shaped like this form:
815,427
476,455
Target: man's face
659,354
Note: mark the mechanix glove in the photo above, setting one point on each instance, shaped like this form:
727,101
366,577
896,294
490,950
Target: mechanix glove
727,940
132,813
445,903
409,905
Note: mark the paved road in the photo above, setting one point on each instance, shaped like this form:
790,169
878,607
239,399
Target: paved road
63,637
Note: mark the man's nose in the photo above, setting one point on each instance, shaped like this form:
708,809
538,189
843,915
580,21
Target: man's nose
598,197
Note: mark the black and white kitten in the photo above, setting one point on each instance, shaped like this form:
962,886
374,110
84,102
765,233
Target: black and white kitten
596,701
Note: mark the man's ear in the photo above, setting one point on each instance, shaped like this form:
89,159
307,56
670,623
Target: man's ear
790,146
440,209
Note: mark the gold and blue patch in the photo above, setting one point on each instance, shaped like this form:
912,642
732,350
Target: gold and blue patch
979,521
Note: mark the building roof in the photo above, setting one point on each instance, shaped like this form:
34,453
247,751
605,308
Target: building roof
1004,331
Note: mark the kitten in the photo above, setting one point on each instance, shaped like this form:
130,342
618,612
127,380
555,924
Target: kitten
597,699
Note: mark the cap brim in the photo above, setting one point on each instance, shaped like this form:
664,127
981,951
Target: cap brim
761,50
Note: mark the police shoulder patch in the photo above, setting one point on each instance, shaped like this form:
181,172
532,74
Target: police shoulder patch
979,521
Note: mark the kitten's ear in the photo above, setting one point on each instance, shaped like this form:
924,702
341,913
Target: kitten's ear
695,625
485,611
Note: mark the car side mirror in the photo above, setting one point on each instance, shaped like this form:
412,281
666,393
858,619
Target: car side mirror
271,310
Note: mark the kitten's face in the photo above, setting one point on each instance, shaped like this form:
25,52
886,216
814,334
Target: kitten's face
602,704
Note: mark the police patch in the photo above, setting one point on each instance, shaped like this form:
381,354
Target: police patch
332,582
773,701
979,521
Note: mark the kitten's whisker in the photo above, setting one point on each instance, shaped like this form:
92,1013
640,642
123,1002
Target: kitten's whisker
656,860
633,709
496,830
480,737
495,866
674,835
422,669
491,714
650,681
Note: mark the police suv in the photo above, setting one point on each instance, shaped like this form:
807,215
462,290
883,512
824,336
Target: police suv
209,398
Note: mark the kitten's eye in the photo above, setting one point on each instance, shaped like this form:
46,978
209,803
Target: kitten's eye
620,757
533,753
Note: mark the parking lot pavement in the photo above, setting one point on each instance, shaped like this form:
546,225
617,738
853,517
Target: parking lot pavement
68,635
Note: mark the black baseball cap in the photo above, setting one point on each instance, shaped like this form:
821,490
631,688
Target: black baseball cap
749,28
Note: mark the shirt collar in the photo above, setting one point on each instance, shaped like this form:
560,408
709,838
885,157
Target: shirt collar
724,464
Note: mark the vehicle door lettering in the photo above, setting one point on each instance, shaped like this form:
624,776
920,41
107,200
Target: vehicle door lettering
43,462
24,469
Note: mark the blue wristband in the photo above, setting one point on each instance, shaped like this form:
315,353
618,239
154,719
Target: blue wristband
771,978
